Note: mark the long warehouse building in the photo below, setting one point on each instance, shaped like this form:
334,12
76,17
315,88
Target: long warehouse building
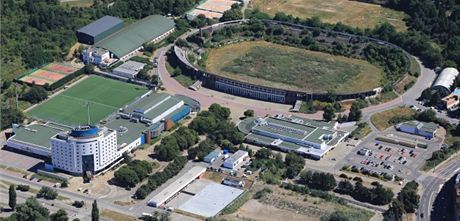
164,196
131,38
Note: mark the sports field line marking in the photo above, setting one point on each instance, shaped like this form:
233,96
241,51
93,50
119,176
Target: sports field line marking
79,99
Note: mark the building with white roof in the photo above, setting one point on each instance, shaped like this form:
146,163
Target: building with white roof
307,137
164,196
129,69
236,159
445,80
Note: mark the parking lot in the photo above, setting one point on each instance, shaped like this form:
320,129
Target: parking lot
15,159
374,157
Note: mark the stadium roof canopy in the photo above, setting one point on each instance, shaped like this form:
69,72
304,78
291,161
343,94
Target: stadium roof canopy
101,25
445,79
133,36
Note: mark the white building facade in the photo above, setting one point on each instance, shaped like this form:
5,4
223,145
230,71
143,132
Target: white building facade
236,159
84,149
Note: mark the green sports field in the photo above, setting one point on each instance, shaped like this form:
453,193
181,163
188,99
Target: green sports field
104,96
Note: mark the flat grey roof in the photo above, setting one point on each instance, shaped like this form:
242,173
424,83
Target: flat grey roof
37,134
100,25
154,104
211,200
130,67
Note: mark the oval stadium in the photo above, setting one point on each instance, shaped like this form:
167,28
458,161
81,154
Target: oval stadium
282,62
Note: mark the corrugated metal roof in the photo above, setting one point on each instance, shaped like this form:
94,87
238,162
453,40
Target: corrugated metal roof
174,187
132,37
446,78
103,24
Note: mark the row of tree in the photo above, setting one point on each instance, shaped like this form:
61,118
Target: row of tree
32,210
216,124
157,179
132,173
171,146
406,202
273,168
378,195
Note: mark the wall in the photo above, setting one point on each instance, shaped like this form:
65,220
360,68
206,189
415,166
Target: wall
28,147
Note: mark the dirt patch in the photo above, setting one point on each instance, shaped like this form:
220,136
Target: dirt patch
354,13
287,205
254,210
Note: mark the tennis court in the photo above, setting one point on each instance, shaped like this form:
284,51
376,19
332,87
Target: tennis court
104,96
48,74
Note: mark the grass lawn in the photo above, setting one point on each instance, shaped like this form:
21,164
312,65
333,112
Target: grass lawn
184,80
381,120
362,130
274,65
104,96
116,216
353,13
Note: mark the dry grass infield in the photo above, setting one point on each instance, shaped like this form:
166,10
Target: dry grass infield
116,216
273,65
354,13
381,120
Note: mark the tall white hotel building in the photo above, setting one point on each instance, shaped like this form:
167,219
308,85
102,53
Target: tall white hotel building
84,149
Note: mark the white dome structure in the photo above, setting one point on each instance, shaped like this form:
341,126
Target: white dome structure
445,80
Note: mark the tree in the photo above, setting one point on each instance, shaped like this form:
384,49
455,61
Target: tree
10,116
23,188
64,184
294,164
394,212
12,197
345,187
95,212
31,210
336,216
318,180
249,113
60,215
234,13
426,94
126,177
35,94
355,113
47,193
78,204
329,113
408,197
88,69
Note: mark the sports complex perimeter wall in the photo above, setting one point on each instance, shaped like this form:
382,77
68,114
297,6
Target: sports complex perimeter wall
244,89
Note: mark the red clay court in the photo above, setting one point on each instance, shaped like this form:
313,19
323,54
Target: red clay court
48,74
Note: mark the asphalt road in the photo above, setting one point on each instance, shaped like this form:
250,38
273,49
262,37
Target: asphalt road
433,183
132,210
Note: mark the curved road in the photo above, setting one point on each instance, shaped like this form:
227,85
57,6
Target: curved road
432,184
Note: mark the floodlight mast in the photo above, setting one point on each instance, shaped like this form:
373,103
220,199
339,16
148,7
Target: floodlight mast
89,119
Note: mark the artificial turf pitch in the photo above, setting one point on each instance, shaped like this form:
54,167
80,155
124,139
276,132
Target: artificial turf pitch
103,95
